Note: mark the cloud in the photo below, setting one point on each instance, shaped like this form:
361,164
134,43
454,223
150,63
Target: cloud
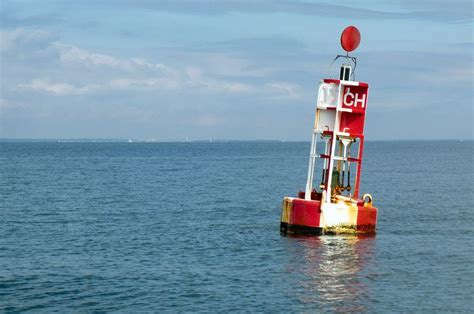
42,85
290,89
41,20
71,70
196,79
70,54
3,103
208,120
19,39
61,89
143,84
236,89
200,84
454,11
446,76
442,11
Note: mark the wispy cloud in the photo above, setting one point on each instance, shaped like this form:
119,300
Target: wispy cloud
447,76
19,39
70,54
3,103
42,85
290,89
38,20
231,68
443,11
83,72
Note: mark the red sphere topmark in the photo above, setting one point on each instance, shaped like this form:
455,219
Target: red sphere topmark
350,38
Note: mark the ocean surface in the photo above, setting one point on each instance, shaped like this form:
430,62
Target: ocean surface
183,227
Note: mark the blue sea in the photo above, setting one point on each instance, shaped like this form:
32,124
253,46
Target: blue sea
194,227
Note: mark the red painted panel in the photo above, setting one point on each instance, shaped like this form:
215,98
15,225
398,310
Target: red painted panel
366,219
355,97
361,84
331,81
305,213
352,123
315,195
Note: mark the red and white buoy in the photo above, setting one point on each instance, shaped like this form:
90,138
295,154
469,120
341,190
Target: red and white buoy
334,207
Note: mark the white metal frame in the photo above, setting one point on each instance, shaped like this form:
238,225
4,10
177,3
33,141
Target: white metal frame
336,133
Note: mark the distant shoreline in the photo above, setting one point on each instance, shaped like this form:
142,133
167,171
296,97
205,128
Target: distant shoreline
99,140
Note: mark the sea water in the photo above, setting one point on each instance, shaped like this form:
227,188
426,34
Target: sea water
195,227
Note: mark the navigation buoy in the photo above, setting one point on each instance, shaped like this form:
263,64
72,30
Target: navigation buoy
334,207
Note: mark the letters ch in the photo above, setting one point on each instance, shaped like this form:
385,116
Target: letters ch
351,99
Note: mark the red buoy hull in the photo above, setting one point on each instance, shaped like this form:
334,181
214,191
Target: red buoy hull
345,216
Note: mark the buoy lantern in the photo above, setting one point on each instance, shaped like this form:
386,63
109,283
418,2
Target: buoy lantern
335,206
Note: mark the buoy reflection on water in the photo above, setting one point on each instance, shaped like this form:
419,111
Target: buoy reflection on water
330,270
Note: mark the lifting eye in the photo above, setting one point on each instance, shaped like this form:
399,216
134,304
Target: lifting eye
367,198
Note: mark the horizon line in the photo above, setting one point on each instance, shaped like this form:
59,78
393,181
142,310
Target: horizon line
210,140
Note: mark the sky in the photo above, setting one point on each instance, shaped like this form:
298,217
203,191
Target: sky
176,70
